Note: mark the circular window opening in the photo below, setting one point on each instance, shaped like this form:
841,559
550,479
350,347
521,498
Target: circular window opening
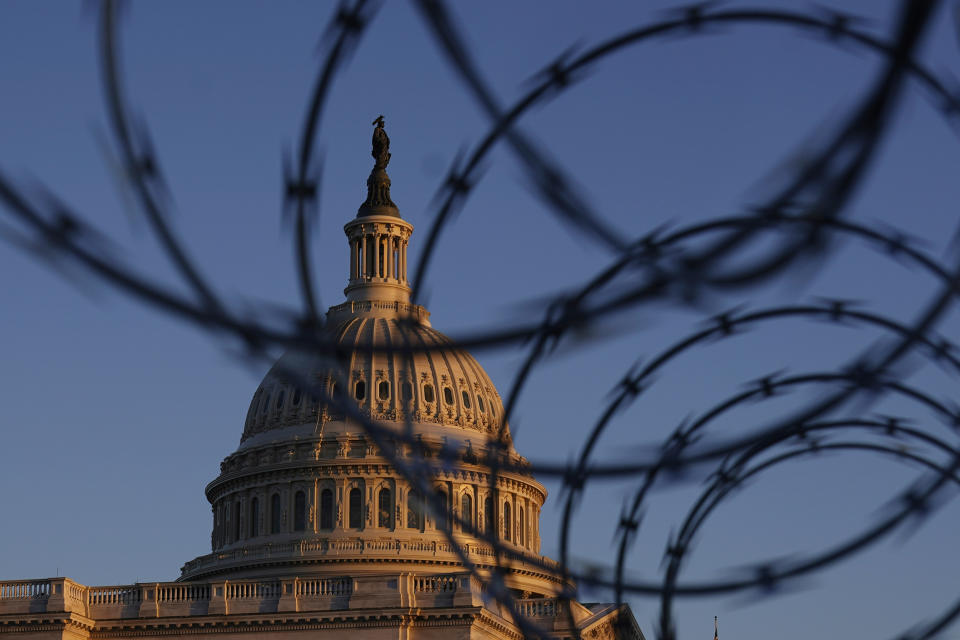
448,395
360,391
428,393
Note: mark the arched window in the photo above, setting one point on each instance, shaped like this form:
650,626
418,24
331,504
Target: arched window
385,510
254,517
506,522
522,537
299,511
326,509
466,399
406,391
383,390
480,404
280,399
488,514
414,510
448,395
360,390
275,513
466,512
428,393
356,508
442,509
236,520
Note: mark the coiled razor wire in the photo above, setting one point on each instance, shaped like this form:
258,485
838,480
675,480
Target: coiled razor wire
680,267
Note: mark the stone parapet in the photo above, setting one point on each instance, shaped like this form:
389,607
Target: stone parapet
226,597
334,551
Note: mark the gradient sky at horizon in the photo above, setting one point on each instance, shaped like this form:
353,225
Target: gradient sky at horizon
116,416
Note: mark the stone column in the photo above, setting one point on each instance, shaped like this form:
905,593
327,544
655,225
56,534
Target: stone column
315,505
365,257
396,259
388,256
338,499
353,259
526,522
376,255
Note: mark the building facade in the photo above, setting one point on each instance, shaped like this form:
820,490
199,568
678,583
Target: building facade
316,532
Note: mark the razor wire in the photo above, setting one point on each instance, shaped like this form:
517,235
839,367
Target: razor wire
679,268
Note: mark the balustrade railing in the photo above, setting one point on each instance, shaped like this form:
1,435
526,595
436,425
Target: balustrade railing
182,592
202,598
540,608
254,590
24,589
324,587
113,595
342,546
382,545
75,594
370,305
436,584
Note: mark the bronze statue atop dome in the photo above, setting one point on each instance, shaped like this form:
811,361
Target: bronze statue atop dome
381,145
378,200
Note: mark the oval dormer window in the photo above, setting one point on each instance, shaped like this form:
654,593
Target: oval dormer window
428,393
360,391
448,395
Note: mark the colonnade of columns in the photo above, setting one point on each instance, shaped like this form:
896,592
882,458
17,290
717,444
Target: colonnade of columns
298,508
378,255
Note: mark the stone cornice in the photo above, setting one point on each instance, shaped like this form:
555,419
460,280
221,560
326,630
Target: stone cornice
279,473
31,622
217,564
352,619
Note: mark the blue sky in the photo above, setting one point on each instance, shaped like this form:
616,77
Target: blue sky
116,416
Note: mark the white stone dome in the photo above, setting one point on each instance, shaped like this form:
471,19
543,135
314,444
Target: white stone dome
309,490
440,389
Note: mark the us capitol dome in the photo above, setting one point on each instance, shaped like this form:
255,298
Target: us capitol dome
315,531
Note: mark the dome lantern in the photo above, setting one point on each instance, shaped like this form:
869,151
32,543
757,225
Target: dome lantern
378,236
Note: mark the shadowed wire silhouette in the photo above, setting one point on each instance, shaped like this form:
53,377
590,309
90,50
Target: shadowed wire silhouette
698,268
